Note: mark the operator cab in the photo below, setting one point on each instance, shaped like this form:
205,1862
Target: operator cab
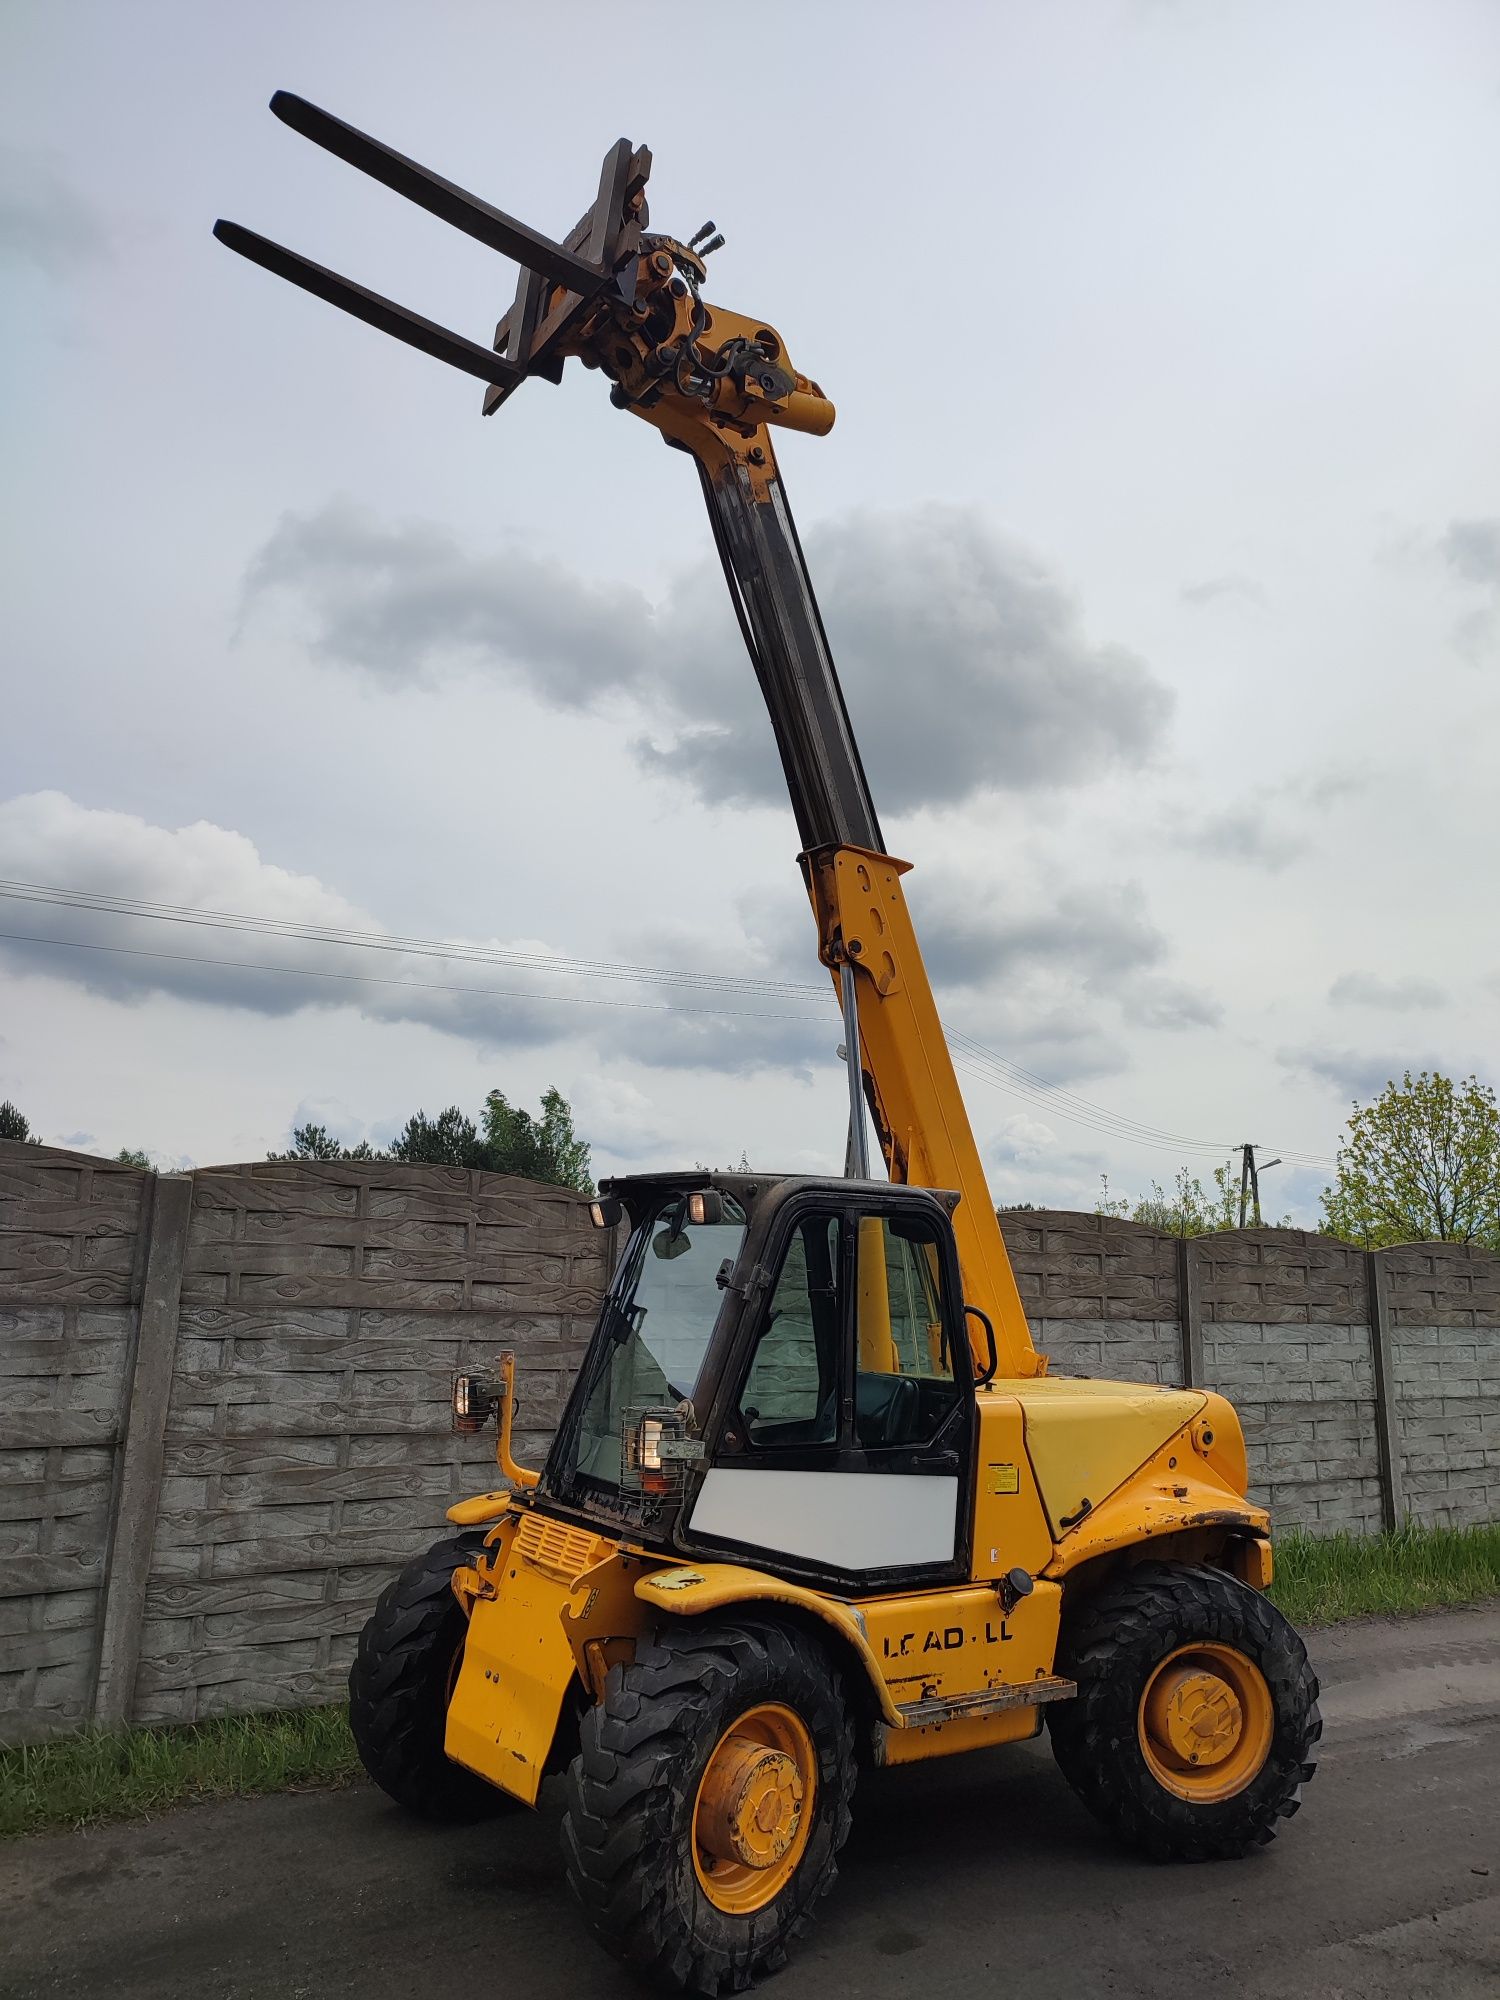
781,1372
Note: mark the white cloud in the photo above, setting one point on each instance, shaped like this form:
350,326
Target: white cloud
203,872
404,603
1402,995
937,621
44,220
47,838
1278,824
1472,551
621,1120
1353,1073
1021,1140
1173,384
1248,832
1214,589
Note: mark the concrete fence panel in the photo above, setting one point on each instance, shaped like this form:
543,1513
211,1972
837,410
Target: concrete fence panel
224,1396
73,1232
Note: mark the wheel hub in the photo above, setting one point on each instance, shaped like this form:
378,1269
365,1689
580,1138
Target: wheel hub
754,1809
1206,1720
751,1803
1196,1716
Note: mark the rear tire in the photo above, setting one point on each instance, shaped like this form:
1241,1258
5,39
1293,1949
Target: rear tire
400,1684
1135,1762
640,1802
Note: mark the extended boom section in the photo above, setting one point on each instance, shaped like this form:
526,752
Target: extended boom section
855,886
716,383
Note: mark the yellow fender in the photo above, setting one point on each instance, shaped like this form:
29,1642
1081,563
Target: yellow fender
1176,1504
688,1592
1094,1438
483,1507
1193,1483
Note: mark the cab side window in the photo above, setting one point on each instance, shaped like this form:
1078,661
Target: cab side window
904,1385
791,1396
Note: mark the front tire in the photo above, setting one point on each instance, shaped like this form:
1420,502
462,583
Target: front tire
400,1684
709,1801
1196,1714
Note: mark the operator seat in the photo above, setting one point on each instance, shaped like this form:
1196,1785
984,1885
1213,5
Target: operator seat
887,1410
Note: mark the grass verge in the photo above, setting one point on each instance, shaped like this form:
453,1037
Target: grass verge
1323,1578
48,1786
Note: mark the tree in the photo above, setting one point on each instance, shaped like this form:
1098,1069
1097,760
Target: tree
541,1149
132,1156
511,1141
449,1140
1190,1209
1421,1164
14,1124
316,1142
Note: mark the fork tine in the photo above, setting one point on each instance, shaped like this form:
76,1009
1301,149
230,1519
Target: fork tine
371,307
441,198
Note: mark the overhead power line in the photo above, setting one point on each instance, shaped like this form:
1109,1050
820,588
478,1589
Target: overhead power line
1055,1095
375,979
1083,1110
359,940
975,1058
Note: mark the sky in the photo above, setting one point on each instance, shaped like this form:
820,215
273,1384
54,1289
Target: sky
1158,540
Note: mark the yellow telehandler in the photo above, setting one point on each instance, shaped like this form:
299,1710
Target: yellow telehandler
815,1504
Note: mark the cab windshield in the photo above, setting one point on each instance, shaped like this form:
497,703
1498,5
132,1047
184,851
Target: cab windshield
651,1338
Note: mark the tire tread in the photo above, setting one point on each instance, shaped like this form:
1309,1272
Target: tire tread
396,1708
1109,1648
628,1801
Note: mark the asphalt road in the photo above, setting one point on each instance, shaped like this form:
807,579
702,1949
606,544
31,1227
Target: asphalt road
978,1876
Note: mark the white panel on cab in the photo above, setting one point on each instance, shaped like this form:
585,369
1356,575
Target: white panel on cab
846,1520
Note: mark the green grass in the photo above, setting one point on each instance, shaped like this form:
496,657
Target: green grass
48,1786
1323,1578
79,1779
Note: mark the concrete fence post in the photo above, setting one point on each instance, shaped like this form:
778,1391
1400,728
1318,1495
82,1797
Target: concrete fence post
1190,1312
1387,1422
142,1449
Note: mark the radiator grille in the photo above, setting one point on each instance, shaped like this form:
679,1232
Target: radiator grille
557,1549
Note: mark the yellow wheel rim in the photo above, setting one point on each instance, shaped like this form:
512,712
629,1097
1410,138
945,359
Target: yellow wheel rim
1205,1722
754,1809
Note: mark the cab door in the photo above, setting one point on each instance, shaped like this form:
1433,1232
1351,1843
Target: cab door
843,1447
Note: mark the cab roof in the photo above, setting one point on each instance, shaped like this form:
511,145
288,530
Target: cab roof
641,1191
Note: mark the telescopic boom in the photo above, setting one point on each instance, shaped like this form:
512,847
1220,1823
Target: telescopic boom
717,384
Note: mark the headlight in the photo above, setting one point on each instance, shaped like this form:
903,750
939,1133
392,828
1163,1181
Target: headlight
655,1450
650,1445
475,1400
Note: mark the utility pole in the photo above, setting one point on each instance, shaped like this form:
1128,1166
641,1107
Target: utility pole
1250,1181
